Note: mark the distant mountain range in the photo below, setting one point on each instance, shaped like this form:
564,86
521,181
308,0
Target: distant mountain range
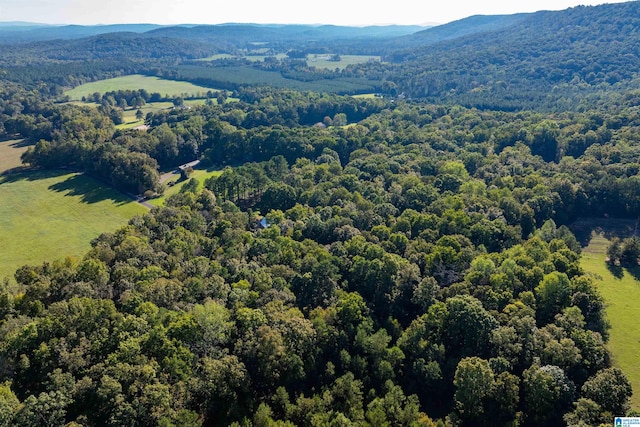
21,32
472,25
534,56
503,61
16,32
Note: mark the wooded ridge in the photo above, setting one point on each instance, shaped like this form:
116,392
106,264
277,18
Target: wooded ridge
402,258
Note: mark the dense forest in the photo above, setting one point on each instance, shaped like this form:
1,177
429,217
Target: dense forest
399,260
552,61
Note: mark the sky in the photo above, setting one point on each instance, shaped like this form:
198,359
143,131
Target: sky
337,12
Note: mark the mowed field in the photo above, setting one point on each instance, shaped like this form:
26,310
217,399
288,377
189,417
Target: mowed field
323,60
317,60
10,152
164,87
250,57
200,174
48,215
129,116
620,288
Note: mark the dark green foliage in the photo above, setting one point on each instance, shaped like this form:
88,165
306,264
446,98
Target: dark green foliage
610,389
549,60
358,302
414,262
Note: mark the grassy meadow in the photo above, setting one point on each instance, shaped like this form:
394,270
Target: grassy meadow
200,174
323,60
620,288
48,215
10,152
365,96
317,60
129,115
255,57
164,87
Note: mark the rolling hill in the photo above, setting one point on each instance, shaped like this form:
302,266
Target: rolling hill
453,30
22,32
279,33
538,59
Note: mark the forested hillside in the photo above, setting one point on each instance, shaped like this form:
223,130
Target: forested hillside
414,260
549,60
27,32
404,260
552,61
472,25
106,46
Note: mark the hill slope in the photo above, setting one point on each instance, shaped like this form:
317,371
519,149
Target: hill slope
20,32
517,66
125,45
278,33
460,28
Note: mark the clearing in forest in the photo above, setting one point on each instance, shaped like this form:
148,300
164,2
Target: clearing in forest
332,62
620,288
176,183
129,119
49,215
170,88
10,152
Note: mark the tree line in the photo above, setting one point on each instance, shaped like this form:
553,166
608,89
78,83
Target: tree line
414,267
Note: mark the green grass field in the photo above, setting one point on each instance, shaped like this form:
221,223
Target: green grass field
251,57
135,81
129,115
318,60
323,60
365,96
10,152
621,290
199,174
216,57
48,215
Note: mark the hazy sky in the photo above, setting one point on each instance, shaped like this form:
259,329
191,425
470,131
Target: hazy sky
339,12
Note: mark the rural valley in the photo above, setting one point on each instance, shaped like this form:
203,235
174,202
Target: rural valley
322,225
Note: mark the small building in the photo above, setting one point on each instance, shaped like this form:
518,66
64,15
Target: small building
261,223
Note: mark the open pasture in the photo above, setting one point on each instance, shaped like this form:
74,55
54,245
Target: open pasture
620,288
200,174
325,60
48,215
10,152
129,115
164,87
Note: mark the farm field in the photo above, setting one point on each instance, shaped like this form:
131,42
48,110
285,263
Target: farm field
200,174
259,58
250,57
620,288
10,152
136,81
231,76
48,215
129,115
365,96
216,57
323,60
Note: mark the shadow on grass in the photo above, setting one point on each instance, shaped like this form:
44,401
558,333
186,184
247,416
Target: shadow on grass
89,190
23,173
616,270
585,228
21,144
634,271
